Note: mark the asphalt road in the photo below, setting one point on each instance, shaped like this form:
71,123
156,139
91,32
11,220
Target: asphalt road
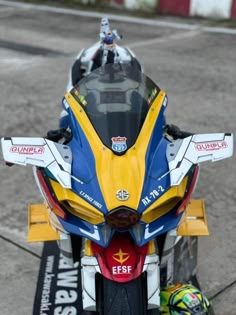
197,69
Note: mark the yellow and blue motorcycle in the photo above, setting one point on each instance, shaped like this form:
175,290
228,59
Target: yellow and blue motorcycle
117,188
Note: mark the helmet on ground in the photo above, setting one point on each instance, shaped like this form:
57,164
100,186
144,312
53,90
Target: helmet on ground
183,299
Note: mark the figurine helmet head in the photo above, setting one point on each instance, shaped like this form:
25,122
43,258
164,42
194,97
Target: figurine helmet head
104,27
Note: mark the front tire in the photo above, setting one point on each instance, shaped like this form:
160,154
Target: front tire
124,298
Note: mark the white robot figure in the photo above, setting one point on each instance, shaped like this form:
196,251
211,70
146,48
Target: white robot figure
108,37
102,52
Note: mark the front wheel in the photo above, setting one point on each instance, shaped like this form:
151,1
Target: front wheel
124,298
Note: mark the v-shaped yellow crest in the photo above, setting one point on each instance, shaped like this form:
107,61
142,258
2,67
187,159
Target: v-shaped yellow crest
121,257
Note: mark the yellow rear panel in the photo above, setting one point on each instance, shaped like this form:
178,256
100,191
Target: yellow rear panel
39,227
194,222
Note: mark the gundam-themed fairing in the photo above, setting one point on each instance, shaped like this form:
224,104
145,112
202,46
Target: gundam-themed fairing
117,193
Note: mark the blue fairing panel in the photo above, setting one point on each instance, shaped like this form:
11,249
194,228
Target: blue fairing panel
157,134
147,232
155,182
84,179
167,222
100,234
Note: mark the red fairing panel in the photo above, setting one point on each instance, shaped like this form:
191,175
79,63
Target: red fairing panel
51,201
190,191
122,261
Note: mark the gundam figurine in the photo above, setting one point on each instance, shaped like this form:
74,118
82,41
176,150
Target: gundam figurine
104,51
107,38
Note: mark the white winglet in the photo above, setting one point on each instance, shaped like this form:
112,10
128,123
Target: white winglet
182,154
40,152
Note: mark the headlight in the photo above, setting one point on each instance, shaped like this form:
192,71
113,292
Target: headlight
122,218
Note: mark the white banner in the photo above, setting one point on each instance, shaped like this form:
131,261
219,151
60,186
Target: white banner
211,8
145,5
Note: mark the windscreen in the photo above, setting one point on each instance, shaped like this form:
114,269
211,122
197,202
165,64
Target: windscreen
116,99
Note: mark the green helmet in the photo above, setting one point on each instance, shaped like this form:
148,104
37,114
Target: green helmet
183,299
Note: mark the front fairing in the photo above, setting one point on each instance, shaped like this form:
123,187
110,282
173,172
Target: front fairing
118,146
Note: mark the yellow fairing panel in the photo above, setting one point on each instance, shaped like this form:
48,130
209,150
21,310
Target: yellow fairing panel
165,203
119,172
194,222
39,227
77,205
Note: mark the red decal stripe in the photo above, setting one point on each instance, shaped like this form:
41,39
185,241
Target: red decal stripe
190,191
53,204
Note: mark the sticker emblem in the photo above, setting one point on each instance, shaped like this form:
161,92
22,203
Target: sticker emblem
122,195
27,149
79,97
211,146
120,257
191,300
152,96
165,101
119,144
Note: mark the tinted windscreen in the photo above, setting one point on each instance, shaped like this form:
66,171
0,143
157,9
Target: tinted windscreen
117,100
112,97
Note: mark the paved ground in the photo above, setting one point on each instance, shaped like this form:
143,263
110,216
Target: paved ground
196,67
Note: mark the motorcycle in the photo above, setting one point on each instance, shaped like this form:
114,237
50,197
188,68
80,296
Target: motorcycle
117,186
